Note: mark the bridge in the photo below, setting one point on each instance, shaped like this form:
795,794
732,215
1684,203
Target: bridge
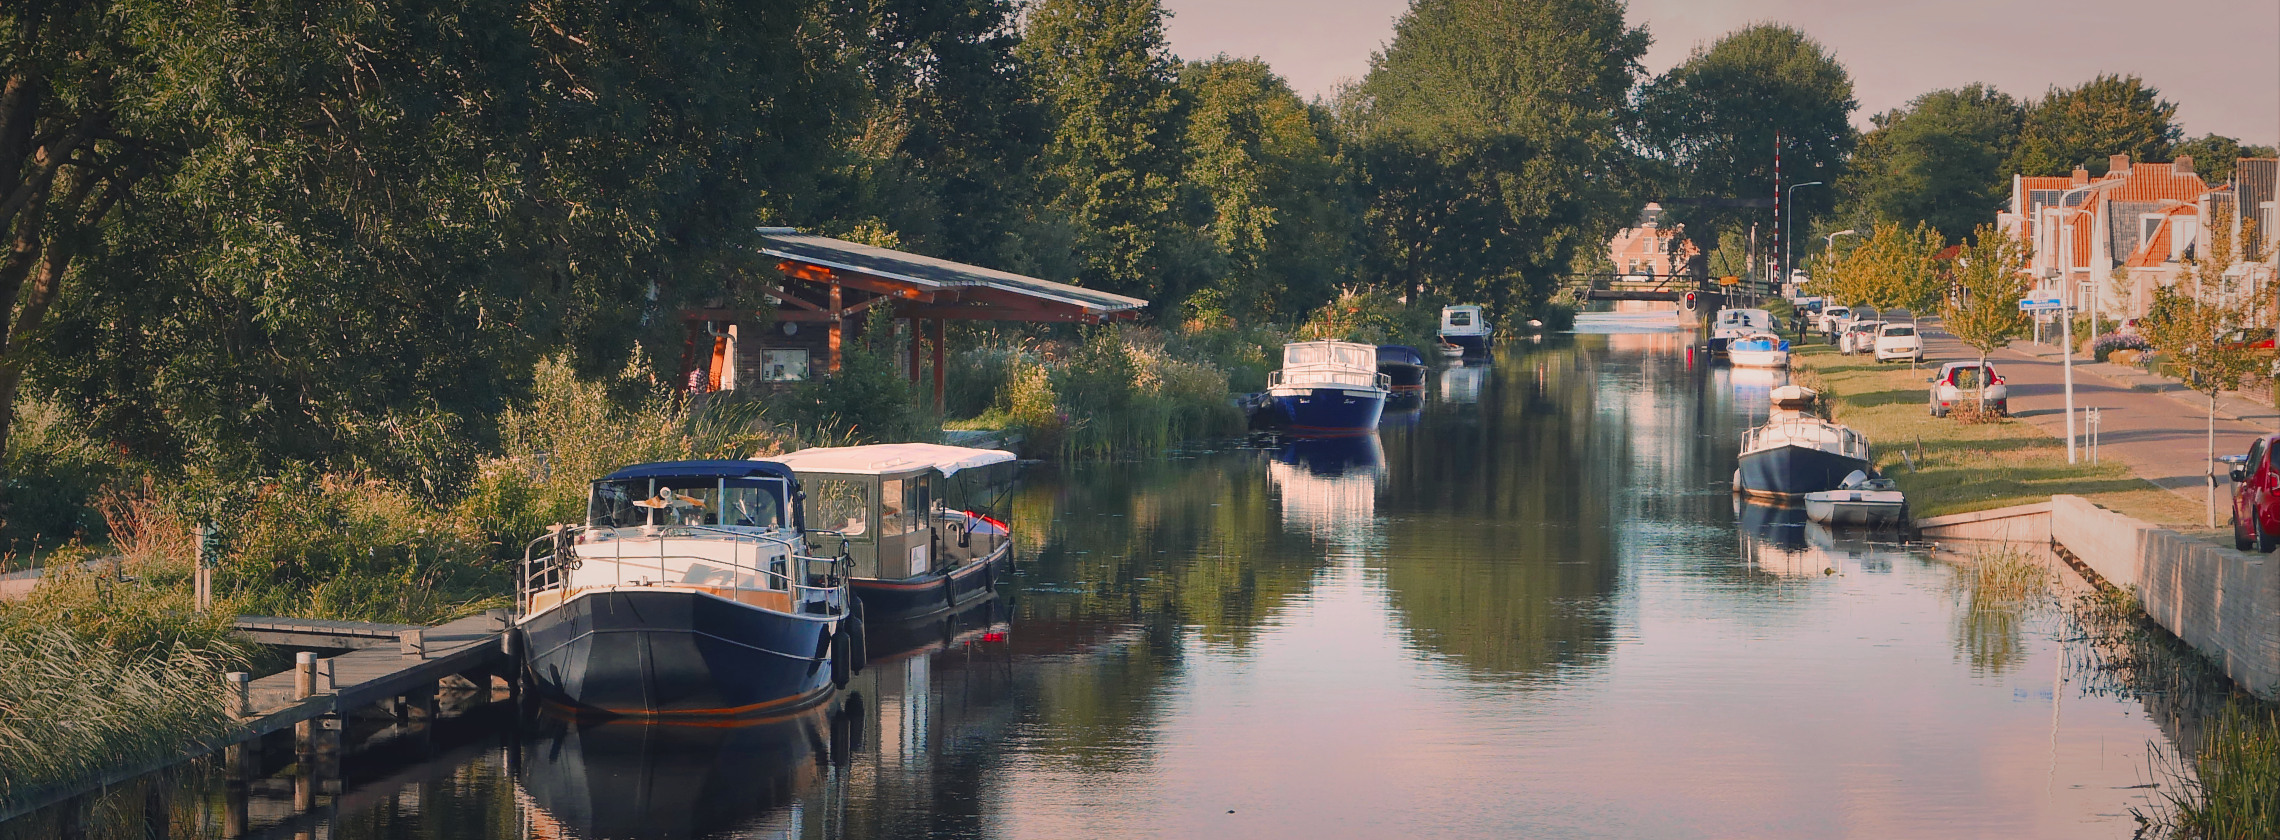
1672,288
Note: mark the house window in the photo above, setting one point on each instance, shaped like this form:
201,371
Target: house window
783,365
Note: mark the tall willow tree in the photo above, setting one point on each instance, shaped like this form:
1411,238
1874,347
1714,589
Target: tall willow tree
1489,138
1270,195
1114,160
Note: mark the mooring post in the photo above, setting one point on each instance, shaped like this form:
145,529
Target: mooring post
304,675
412,643
328,681
238,689
234,811
206,563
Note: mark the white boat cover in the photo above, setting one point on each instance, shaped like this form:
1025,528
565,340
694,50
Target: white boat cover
1793,394
878,458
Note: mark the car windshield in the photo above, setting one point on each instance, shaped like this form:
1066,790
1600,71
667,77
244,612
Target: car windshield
1864,326
1902,331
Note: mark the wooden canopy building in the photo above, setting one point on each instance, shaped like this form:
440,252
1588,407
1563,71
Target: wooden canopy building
825,289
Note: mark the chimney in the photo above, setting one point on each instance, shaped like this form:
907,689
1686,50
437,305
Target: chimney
2081,177
2183,165
2118,165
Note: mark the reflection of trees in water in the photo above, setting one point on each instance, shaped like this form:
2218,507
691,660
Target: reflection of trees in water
1498,553
1194,543
2113,650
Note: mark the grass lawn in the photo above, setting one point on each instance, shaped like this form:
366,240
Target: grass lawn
1969,466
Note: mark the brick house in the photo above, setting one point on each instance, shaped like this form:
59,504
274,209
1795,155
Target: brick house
1649,250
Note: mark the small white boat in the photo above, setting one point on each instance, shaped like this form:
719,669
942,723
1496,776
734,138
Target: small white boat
1859,501
1451,351
1758,350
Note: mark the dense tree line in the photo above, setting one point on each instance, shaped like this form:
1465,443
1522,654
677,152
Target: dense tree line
243,235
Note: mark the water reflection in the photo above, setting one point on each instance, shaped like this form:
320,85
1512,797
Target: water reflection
666,782
1461,382
1329,489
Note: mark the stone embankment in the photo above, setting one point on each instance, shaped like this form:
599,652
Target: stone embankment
2224,603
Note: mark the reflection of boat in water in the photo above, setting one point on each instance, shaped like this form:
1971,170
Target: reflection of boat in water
1461,384
1329,487
1782,540
634,781
1795,453
910,517
686,593
1402,409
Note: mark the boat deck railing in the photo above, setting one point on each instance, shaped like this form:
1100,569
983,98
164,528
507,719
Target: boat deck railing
809,583
1813,430
1330,376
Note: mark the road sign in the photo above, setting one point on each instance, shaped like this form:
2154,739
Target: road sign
2041,304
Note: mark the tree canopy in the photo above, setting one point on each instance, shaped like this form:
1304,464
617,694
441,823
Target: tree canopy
1712,122
1939,160
2085,125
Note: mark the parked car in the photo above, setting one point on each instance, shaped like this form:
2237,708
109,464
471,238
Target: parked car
1858,337
1825,321
2256,497
1895,342
1958,382
2245,339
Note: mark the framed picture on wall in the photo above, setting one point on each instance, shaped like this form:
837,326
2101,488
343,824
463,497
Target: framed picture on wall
783,365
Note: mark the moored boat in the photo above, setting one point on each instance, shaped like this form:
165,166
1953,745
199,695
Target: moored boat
1403,366
687,593
1324,389
1466,326
1759,350
1795,453
1731,324
1860,500
912,517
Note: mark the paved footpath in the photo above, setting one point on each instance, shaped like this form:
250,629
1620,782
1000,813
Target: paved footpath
2158,436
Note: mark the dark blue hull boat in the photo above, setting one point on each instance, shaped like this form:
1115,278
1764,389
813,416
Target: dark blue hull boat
903,600
1325,411
1786,471
677,652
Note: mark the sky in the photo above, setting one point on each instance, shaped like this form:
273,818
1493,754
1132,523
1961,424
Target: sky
2218,60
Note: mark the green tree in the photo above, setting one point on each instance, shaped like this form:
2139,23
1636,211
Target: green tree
1892,268
2190,322
1982,310
2214,155
375,220
1114,159
1489,133
1938,160
1713,122
1272,197
2084,126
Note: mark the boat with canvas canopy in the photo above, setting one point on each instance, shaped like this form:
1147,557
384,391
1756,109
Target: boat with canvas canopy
915,520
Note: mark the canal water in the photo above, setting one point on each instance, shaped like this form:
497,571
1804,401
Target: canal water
1528,608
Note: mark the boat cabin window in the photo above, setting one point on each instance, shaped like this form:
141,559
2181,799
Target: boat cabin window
694,500
840,504
1323,353
1460,318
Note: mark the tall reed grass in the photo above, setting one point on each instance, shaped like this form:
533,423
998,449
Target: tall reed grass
2233,792
72,708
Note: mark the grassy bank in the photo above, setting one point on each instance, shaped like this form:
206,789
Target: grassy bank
1969,466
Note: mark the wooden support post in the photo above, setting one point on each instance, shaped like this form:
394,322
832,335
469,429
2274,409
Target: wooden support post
838,324
304,675
412,644
938,371
203,596
234,811
328,681
915,338
238,693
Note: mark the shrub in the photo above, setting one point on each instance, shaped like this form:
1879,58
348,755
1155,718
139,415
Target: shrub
53,467
2105,345
868,398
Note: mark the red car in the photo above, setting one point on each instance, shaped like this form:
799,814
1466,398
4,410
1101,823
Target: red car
2256,496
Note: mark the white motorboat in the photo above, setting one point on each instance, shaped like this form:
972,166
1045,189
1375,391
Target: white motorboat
1859,501
1466,326
1732,324
1759,350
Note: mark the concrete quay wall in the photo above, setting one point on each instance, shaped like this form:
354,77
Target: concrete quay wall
2224,603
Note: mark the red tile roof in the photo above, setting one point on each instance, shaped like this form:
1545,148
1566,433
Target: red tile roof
2157,181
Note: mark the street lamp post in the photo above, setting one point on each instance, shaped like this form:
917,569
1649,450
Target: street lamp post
1785,246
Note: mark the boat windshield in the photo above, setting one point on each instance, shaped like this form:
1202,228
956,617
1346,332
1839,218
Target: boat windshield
693,500
1331,353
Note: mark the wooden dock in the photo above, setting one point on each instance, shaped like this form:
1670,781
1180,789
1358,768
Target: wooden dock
389,665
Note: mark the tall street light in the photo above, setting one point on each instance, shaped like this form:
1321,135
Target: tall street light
1785,248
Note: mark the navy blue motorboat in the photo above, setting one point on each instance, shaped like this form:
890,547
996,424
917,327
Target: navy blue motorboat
1403,366
1796,453
687,593
913,520
1324,389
